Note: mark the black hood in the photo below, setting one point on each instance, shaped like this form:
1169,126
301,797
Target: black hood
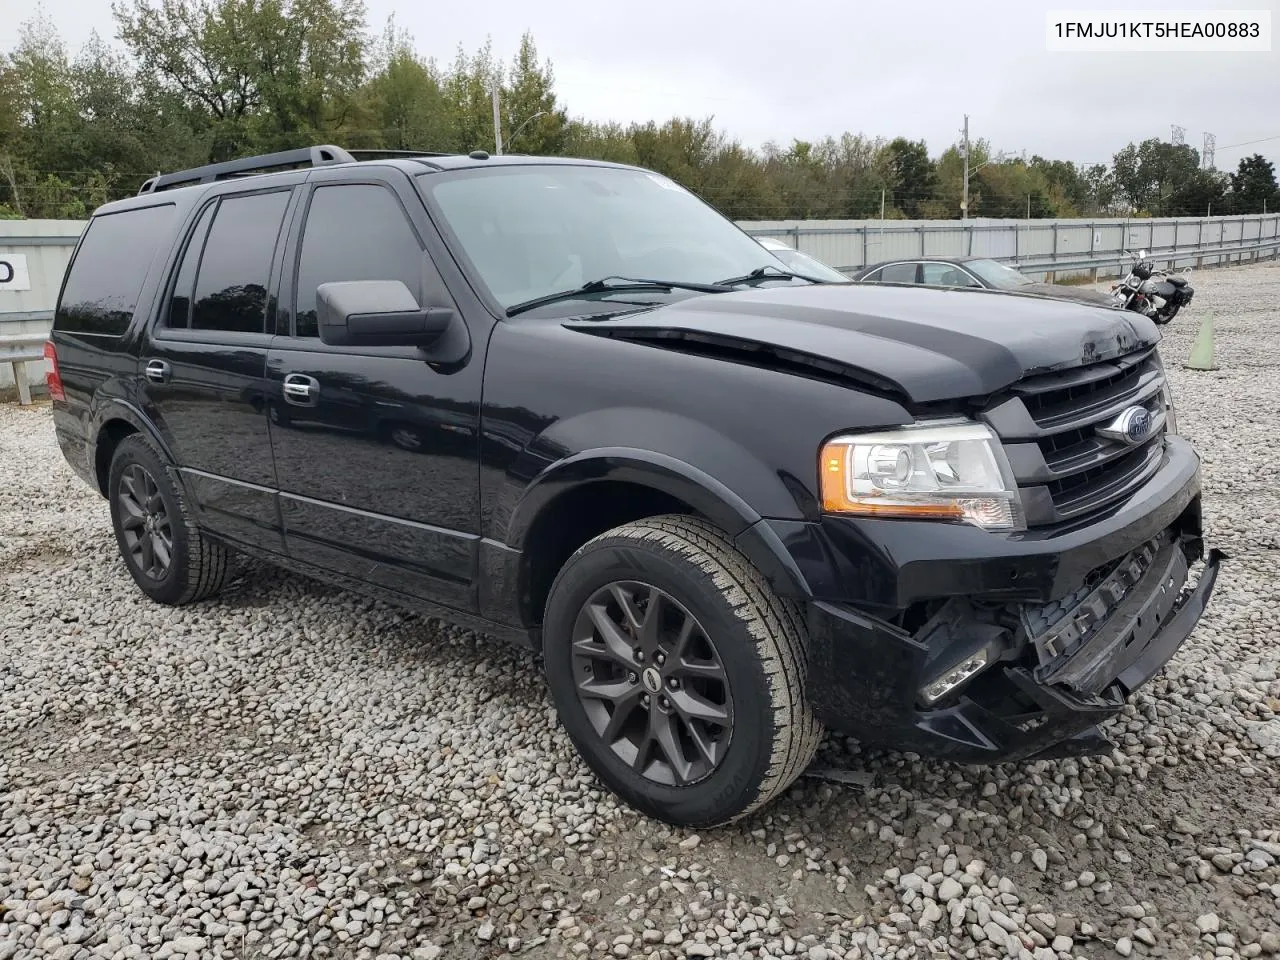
1062,291
924,344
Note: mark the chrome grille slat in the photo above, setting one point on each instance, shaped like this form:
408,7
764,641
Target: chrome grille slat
1048,423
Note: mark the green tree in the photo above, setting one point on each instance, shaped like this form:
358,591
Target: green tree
1253,186
259,74
1162,179
533,118
401,106
914,177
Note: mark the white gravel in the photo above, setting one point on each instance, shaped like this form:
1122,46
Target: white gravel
288,770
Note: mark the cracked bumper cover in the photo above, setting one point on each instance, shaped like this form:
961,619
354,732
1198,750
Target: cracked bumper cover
1118,616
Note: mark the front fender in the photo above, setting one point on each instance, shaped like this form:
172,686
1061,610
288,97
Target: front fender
658,471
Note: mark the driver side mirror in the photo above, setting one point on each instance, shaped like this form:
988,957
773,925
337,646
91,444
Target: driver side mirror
377,313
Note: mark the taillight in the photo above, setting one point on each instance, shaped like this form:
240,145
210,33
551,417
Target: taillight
53,379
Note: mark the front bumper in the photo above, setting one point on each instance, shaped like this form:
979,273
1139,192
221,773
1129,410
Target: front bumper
1073,621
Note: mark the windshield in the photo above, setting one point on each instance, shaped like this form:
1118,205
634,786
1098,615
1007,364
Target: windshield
997,274
807,266
531,231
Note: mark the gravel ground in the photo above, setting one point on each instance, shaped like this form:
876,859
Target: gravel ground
288,770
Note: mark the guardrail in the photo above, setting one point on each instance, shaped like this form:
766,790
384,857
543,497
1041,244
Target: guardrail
1033,246
17,350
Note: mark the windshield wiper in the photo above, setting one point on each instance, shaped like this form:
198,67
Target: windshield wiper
615,284
767,273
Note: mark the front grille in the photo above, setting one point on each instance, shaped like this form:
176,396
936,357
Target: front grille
1049,426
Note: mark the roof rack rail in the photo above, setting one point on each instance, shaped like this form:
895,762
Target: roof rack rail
316,156
397,153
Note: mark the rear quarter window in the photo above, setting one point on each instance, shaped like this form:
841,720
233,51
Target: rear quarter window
105,279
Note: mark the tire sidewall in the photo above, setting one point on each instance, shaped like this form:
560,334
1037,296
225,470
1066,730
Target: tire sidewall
736,782
171,588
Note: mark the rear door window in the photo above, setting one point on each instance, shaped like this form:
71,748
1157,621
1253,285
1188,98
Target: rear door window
179,312
946,275
898,273
107,274
231,281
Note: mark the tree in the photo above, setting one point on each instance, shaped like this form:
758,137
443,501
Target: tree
535,122
1163,179
1253,186
259,74
913,175
401,106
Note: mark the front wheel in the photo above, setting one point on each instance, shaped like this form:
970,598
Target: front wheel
678,672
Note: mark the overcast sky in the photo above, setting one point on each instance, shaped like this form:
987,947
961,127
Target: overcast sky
808,68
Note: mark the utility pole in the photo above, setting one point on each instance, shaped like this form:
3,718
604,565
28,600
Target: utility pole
497,124
1264,204
964,204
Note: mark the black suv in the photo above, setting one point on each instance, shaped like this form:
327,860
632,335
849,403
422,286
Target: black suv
568,403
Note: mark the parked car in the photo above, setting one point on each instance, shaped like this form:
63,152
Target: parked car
802,263
728,506
977,272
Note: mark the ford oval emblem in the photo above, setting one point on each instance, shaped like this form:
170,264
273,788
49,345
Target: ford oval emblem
1131,426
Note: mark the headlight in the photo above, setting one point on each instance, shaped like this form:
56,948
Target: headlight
943,470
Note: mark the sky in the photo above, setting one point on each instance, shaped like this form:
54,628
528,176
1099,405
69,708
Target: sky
805,69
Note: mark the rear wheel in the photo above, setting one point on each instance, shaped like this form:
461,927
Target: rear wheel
163,549
678,673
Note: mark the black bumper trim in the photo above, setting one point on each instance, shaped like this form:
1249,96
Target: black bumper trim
864,675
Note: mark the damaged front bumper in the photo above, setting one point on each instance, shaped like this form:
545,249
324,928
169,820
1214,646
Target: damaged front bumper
1043,694
1021,649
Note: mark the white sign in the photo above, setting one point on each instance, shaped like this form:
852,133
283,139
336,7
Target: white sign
13,272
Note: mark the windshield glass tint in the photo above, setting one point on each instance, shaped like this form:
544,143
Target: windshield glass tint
997,274
536,230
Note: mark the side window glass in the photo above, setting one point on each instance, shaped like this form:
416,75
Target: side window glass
945,275
354,231
873,277
108,271
899,273
231,284
179,312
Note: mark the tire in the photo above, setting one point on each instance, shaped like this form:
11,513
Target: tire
141,482
763,734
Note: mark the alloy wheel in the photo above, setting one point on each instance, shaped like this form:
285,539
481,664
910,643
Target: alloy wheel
148,531
652,683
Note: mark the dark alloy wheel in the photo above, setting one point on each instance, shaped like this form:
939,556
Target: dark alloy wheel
678,672
652,683
148,529
163,548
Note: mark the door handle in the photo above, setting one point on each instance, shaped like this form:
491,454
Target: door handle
157,371
301,390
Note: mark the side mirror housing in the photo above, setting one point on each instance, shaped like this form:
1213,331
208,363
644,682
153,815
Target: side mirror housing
377,313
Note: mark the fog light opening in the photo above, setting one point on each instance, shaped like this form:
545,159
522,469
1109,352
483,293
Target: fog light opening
956,675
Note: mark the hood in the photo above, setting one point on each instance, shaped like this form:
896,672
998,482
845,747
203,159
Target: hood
923,345
1062,291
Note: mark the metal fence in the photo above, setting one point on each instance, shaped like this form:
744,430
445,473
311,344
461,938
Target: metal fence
1056,248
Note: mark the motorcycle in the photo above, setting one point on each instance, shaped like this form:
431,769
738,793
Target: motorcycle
1150,292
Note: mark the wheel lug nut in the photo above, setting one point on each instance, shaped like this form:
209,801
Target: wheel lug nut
639,654
673,683
664,703
632,678
661,659
645,699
